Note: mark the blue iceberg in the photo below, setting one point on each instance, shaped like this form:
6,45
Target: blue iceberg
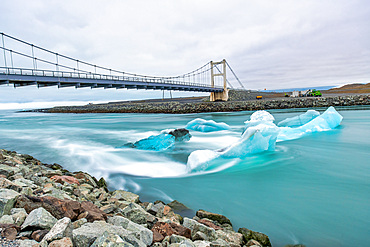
329,120
156,142
202,125
260,136
300,119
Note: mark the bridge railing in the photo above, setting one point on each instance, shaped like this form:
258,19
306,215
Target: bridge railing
90,75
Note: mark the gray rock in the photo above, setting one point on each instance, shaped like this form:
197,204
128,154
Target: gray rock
79,223
200,243
62,228
260,237
154,208
89,232
7,184
187,243
219,243
27,243
8,170
17,210
142,233
7,200
6,219
253,242
195,226
125,196
39,219
110,240
176,239
18,215
137,214
57,193
233,238
199,236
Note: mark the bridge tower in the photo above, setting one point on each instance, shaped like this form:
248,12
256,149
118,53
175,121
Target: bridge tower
224,95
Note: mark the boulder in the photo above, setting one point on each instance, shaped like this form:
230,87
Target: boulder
18,215
79,223
67,179
110,239
39,219
94,213
7,200
209,223
6,219
64,242
153,209
7,184
162,229
89,232
195,226
125,196
219,243
212,216
27,243
86,178
62,228
200,243
137,214
233,238
255,243
57,207
9,231
8,171
142,233
260,237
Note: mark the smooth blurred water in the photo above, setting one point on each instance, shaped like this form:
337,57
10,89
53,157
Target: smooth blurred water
314,190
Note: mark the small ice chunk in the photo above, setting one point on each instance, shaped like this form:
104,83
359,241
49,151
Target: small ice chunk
300,119
156,142
202,125
329,120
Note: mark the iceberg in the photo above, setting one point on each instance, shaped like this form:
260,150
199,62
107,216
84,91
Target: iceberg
300,119
329,120
163,141
155,142
202,125
260,136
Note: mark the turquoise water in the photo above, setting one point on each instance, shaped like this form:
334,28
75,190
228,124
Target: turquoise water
314,190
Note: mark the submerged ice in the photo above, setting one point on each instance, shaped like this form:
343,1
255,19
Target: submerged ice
261,134
202,125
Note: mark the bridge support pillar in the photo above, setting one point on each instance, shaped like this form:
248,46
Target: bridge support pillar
224,95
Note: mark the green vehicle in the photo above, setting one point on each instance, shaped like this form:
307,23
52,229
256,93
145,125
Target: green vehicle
314,93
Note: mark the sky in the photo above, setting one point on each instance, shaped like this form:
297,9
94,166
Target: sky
270,44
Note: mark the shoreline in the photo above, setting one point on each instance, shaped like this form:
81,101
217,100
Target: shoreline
246,103
47,205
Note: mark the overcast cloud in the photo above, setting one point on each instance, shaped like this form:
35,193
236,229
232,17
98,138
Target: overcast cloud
270,44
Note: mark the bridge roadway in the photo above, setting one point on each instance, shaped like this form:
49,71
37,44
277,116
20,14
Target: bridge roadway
43,78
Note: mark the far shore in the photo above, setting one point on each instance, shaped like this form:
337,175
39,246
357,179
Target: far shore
348,95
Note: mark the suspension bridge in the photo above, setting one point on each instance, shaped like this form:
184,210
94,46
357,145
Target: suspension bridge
26,64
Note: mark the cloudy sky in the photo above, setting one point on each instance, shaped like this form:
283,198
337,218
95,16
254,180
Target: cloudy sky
269,43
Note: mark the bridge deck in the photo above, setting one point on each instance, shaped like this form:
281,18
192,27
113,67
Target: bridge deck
20,80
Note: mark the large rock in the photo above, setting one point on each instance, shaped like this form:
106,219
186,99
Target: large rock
142,233
260,237
39,219
233,238
162,229
212,216
8,170
110,240
195,227
7,184
61,208
93,212
7,200
89,232
125,196
62,228
137,214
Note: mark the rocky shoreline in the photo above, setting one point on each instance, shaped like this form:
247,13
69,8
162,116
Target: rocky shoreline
238,102
46,205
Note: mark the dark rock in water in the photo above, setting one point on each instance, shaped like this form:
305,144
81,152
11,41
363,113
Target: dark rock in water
260,237
212,216
177,206
180,134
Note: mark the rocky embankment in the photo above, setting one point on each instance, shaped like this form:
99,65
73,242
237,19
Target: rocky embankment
45,205
240,103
